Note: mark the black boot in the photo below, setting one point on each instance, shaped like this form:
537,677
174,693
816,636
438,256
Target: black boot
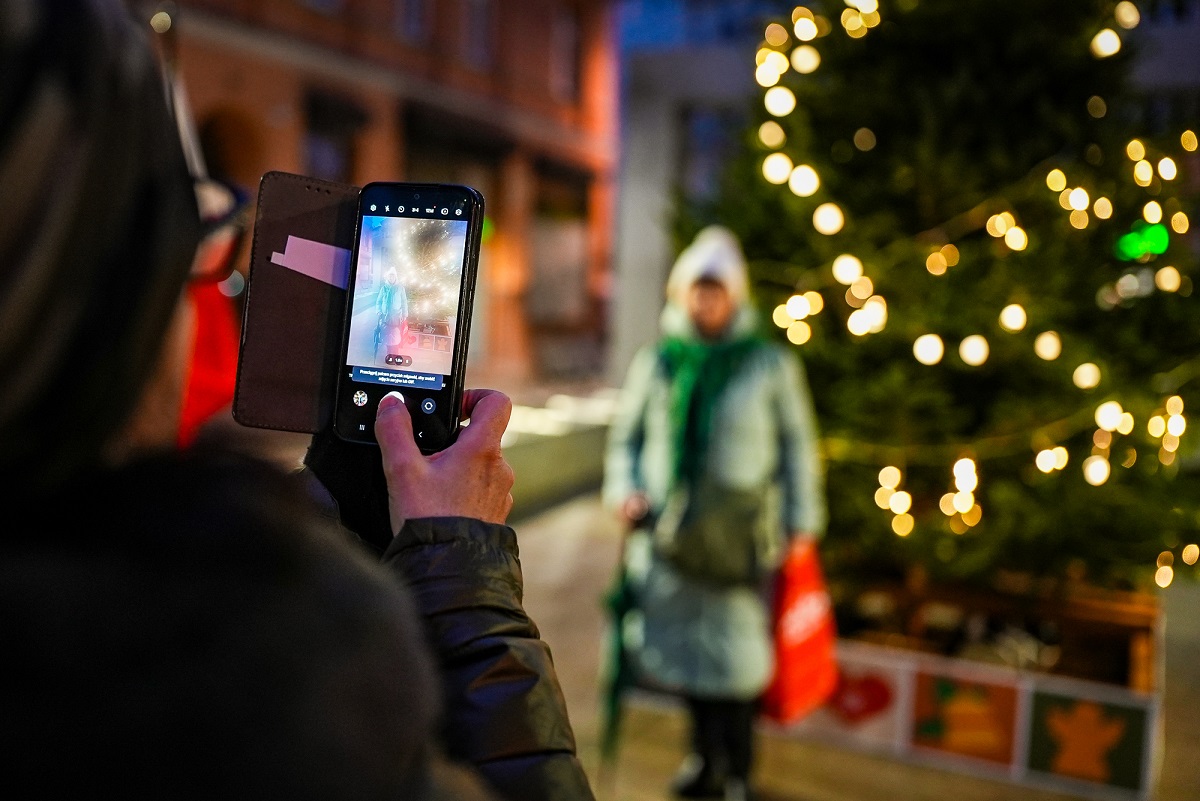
698,778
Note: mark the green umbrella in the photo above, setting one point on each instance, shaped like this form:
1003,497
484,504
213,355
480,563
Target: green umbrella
618,674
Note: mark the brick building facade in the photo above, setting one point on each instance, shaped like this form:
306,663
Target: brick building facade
516,98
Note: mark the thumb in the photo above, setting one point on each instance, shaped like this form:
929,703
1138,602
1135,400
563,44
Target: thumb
394,431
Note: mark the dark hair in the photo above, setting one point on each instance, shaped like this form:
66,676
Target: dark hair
199,633
98,231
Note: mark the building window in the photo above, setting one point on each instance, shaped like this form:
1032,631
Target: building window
412,21
710,138
333,124
330,7
564,55
478,40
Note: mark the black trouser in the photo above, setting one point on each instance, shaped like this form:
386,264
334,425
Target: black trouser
723,733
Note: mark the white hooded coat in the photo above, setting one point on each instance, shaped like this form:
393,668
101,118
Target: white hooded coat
686,636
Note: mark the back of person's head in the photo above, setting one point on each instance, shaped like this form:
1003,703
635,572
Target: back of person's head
163,645
97,233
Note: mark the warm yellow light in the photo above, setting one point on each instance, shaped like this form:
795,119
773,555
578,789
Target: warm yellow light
963,501
780,316
964,467
1165,558
973,515
1168,279
890,477
1045,460
805,29
798,307
1086,376
1079,199
1174,405
805,59
1108,415
1102,439
903,525
777,167
1060,457
1047,346
1190,554
1064,199
847,269
1096,470
1079,220
1096,106
804,181
761,55
1143,173
1106,43
1016,238
998,224
974,350
1102,208
852,20
1156,426
1170,443
1176,425
1188,140
1126,424
864,139
828,219
950,253
815,301
1013,317
1179,222
875,310
883,496
862,288
779,101
928,349
1167,169
1127,14
946,504
935,263
1056,180
775,34
1164,576
766,75
1135,150
161,22
900,502
1152,212
1166,458
966,482
771,134
799,332
858,323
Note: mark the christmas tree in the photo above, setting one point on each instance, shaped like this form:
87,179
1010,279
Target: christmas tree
977,244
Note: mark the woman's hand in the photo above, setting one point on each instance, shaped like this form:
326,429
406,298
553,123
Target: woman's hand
470,478
634,510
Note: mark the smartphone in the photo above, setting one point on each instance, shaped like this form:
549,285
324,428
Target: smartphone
411,287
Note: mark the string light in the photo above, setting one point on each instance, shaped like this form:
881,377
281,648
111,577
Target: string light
777,167
847,269
974,350
1167,169
928,349
771,134
1047,346
804,181
828,219
1013,317
779,101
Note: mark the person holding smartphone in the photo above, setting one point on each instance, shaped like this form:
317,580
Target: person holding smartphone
197,623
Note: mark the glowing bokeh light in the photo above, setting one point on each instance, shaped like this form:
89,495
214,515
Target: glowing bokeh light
1096,470
799,332
828,219
1135,150
776,34
929,349
771,134
1108,415
777,167
847,269
1179,222
798,307
1056,180
900,502
1174,405
903,524
779,101
1127,14
1079,199
1168,279
805,59
804,181
1106,43
1016,238
1167,169
1013,317
1102,208
1152,212
974,350
1086,376
1048,345
890,477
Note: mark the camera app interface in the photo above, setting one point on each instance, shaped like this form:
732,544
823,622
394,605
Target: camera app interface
405,309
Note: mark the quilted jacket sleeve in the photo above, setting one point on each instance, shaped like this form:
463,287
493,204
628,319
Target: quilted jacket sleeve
504,709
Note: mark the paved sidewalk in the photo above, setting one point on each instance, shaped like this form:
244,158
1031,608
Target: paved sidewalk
567,554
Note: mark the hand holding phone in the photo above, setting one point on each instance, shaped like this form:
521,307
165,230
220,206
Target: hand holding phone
470,478
408,314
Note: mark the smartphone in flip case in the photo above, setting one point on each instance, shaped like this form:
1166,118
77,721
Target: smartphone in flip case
295,301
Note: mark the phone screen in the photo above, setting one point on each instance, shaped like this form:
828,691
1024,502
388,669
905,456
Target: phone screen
412,280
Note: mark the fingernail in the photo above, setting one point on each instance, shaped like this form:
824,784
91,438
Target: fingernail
389,401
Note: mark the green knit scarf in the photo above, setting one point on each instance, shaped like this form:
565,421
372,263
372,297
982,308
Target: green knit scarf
699,373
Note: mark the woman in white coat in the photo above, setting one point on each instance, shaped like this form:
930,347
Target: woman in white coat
713,420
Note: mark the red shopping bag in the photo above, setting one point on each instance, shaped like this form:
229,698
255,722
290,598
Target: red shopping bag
805,638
